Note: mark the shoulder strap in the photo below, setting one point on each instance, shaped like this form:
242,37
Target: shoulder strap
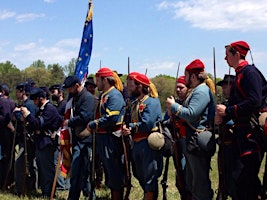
195,129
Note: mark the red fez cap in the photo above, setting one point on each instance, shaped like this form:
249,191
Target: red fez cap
132,74
142,79
195,66
241,46
104,72
181,79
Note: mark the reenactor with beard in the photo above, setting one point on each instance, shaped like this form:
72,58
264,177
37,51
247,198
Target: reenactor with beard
198,110
57,95
108,126
145,113
83,112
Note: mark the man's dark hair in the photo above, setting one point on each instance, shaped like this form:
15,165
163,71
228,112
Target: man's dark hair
110,80
233,52
5,88
144,89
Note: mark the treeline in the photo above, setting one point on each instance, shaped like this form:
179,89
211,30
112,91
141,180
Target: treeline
51,74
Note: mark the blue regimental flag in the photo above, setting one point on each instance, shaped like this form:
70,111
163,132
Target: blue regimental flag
81,69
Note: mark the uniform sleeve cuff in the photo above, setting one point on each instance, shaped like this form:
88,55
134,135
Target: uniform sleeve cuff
25,114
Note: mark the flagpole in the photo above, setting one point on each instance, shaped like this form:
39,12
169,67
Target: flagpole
84,56
81,71
56,175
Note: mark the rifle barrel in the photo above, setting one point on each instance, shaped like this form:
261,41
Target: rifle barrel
93,166
175,84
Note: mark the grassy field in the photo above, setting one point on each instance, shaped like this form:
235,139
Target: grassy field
136,192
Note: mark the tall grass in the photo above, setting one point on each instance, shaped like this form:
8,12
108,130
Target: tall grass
136,192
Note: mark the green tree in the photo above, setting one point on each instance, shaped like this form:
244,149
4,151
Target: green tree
38,64
10,75
165,86
57,74
8,67
70,68
40,75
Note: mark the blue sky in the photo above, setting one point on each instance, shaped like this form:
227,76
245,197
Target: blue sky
155,34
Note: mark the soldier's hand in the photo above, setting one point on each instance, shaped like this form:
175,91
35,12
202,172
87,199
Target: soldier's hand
11,127
85,133
170,100
25,112
220,110
65,123
126,131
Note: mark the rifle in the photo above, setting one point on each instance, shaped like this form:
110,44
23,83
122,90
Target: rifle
26,163
10,164
175,84
180,183
127,147
164,179
126,152
56,175
221,194
176,157
126,140
93,184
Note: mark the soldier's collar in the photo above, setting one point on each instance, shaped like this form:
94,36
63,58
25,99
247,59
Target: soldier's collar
42,107
104,93
143,99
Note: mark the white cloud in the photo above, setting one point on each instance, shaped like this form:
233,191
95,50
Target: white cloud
161,67
52,55
6,14
23,47
68,42
220,15
4,43
49,1
24,54
28,17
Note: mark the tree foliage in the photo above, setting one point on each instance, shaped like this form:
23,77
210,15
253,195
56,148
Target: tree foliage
38,64
8,67
57,73
41,76
70,68
165,86
37,71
